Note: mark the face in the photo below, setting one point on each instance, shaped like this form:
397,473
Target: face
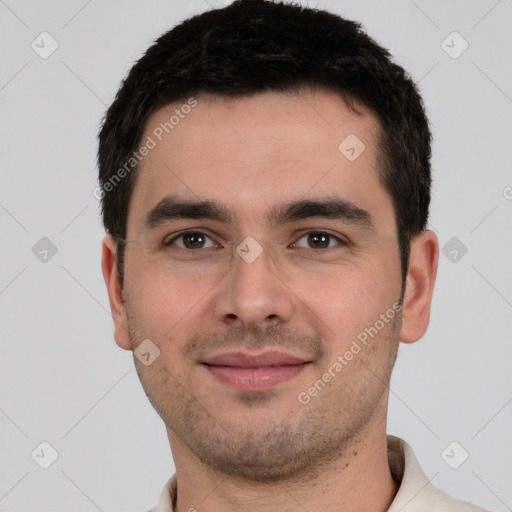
263,263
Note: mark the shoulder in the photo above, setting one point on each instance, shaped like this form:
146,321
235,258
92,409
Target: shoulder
167,497
416,492
444,502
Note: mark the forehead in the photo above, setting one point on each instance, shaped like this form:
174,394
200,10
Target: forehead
258,151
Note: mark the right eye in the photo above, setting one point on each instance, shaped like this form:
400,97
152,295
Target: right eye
192,240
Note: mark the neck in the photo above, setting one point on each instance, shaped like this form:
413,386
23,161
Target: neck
359,480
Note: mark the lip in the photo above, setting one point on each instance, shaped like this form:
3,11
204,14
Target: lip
247,360
253,372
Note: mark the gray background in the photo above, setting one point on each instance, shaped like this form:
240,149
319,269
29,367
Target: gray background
62,378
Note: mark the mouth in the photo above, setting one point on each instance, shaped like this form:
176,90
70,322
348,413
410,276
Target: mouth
255,372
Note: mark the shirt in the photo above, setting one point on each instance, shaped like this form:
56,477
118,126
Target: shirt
416,493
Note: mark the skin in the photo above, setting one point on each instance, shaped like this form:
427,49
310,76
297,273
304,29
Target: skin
234,449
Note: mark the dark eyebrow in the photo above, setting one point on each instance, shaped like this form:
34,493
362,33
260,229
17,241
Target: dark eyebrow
171,208
331,208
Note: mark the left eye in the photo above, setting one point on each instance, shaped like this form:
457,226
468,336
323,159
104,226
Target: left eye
318,240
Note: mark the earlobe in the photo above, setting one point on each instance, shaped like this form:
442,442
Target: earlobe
115,292
421,278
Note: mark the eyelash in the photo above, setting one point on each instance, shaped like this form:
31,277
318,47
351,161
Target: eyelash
340,242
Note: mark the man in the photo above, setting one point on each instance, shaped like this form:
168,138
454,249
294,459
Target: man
265,183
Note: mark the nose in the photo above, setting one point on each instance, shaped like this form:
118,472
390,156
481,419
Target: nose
253,295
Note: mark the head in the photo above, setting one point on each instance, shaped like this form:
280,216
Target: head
296,156
254,46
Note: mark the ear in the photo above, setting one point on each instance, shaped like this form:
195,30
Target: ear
115,292
421,277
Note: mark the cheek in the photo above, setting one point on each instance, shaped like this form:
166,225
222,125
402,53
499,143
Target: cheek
344,304
164,296
350,297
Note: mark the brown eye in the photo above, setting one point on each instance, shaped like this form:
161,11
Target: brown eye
318,240
192,240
